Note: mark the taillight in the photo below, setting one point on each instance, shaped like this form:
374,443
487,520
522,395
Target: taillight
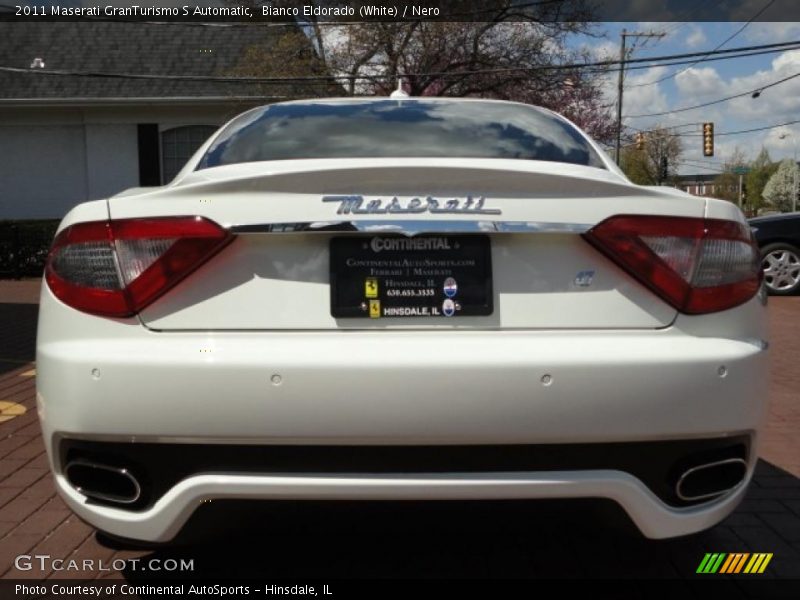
696,265
116,268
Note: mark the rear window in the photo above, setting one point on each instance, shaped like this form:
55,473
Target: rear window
399,128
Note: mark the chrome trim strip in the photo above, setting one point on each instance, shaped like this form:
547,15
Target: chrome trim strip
411,228
100,496
708,466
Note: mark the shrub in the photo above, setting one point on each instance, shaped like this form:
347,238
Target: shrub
24,246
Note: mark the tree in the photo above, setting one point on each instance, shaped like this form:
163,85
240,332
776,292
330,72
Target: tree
761,169
656,161
781,188
515,54
286,53
726,185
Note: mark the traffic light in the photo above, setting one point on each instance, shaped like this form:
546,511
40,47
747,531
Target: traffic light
708,139
640,141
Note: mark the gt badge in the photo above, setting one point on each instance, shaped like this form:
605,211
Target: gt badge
374,309
371,287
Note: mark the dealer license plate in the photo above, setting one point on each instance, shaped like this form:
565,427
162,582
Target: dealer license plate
423,276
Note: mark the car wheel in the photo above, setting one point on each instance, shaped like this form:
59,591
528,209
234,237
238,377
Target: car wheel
781,264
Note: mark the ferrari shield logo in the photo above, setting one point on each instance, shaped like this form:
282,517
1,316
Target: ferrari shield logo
374,309
371,287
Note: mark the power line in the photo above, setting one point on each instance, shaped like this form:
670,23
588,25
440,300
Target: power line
780,46
742,131
726,133
684,62
725,41
593,67
711,103
664,127
688,163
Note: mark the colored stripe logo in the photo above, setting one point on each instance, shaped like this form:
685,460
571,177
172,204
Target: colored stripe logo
734,563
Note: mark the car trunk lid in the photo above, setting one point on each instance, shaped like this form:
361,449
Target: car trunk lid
277,272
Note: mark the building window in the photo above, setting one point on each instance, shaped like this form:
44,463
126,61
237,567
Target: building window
178,145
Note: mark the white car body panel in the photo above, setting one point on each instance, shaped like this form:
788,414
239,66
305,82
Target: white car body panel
162,522
245,351
281,281
392,387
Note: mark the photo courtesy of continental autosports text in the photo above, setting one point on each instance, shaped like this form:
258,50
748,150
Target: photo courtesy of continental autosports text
180,590
361,299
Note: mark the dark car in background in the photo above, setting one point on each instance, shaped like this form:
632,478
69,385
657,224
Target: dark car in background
778,238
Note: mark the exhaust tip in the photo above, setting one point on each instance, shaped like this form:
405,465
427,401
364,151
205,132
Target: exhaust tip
103,482
710,480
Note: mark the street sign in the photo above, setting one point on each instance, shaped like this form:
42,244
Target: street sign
741,170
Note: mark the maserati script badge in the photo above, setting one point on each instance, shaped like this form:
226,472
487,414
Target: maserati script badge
357,205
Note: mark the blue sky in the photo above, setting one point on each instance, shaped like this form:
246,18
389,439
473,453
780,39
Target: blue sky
709,81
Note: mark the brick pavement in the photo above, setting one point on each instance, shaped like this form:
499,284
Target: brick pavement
442,540
18,312
782,440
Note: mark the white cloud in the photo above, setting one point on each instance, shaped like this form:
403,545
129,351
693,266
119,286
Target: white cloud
770,32
605,50
786,59
640,99
699,83
783,142
696,37
778,103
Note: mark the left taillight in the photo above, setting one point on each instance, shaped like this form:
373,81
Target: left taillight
116,268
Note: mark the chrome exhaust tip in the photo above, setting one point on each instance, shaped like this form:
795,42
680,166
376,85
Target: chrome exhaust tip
103,482
710,480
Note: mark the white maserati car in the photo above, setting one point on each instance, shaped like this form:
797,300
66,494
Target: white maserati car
380,298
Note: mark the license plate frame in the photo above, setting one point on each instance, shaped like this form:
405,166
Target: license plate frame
427,276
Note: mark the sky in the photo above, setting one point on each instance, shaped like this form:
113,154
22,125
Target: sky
707,81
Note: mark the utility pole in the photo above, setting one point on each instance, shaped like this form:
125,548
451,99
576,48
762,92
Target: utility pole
741,177
624,35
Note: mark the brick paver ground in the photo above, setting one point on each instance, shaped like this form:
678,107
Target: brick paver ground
440,540
18,311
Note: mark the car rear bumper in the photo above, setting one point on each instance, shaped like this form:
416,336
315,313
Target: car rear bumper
164,520
401,387
398,388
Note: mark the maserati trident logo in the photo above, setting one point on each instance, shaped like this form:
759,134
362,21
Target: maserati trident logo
357,205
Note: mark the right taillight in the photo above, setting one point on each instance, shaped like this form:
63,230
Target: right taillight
116,268
696,265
